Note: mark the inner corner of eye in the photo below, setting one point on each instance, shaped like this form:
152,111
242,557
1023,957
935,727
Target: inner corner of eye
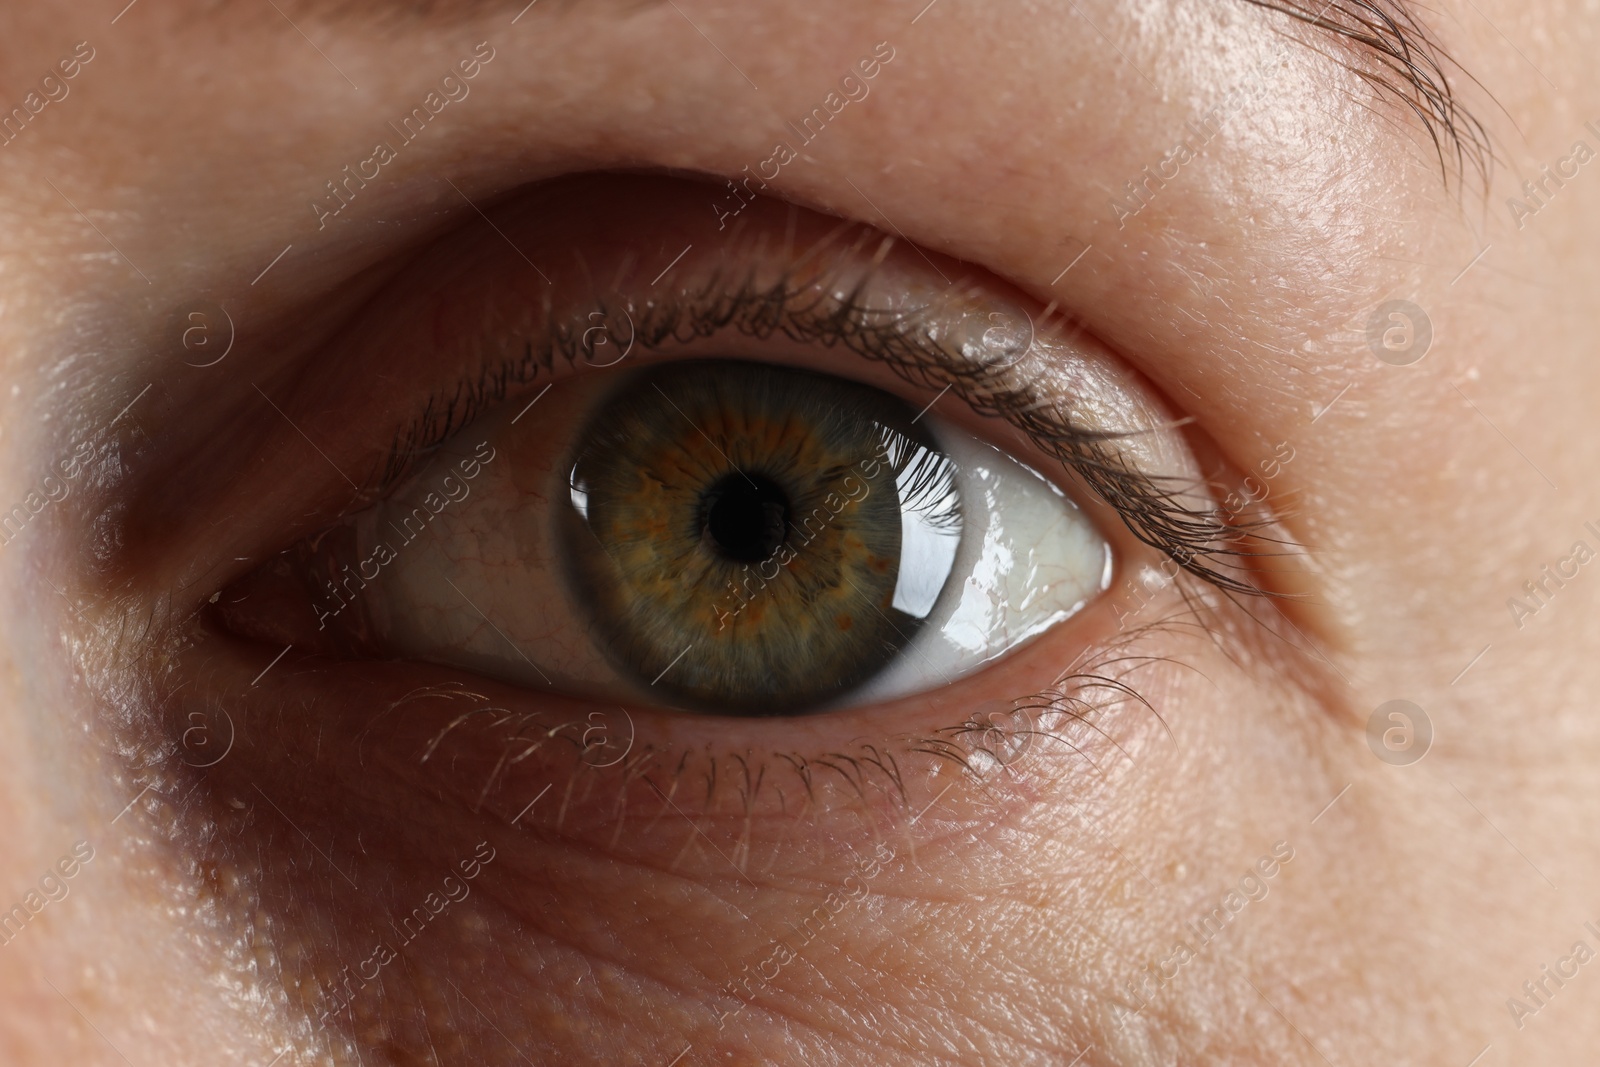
723,536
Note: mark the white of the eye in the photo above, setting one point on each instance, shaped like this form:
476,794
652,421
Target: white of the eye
1028,558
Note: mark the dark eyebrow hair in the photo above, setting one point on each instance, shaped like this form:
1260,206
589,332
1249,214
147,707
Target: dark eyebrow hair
1391,49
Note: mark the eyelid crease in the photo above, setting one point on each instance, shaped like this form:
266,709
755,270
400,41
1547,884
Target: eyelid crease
1203,542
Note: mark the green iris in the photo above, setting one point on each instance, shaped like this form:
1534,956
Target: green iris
739,530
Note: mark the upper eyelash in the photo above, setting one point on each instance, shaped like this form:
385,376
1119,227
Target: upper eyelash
1202,543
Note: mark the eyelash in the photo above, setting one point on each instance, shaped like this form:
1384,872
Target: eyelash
1199,542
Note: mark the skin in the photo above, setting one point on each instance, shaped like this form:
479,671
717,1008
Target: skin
1017,902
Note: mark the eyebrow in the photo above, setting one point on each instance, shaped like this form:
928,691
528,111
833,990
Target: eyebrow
1387,46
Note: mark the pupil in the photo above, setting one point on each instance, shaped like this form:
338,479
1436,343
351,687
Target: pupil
746,517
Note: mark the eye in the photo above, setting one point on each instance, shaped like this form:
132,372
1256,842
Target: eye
795,470
724,536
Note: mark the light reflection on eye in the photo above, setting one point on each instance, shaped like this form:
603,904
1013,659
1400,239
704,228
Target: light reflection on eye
1028,559
725,536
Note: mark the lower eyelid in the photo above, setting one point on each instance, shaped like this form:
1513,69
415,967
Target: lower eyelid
483,746
353,778
384,775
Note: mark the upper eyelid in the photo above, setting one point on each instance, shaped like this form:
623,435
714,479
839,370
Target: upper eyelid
1198,541
744,308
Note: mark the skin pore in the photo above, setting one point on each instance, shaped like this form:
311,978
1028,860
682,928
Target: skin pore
1190,846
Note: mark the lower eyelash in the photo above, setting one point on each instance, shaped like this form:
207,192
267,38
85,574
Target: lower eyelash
981,746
